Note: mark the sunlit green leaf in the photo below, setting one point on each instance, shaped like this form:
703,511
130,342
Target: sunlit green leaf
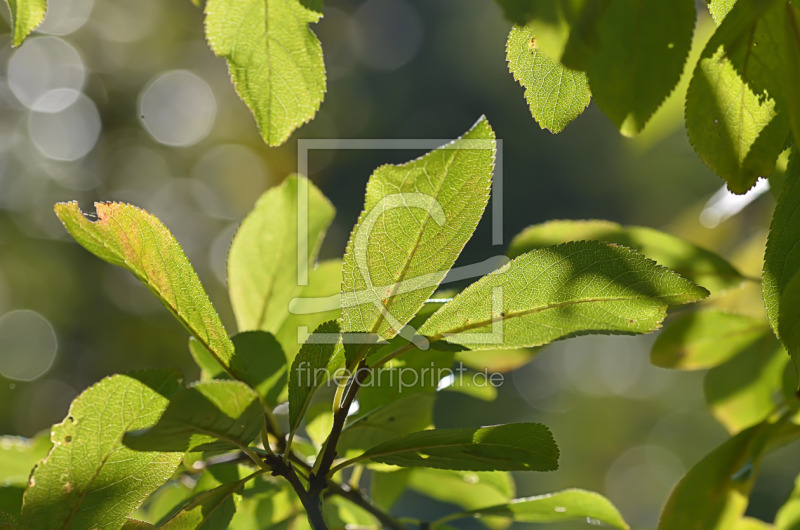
275,60
690,261
207,416
26,15
132,238
750,523
211,507
19,455
474,384
642,48
556,95
417,217
742,391
136,524
387,487
90,479
313,366
782,263
265,254
496,360
735,128
694,341
563,505
511,447
788,516
719,9
557,292
403,415
713,495
466,489
316,303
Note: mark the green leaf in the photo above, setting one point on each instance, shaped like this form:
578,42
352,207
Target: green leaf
417,217
780,285
132,238
643,46
317,302
387,487
209,508
786,30
733,125
557,292
556,95
275,60
713,495
788,516
265,255
690,261
258,360
135,524
90,479
313,366
563,505
403,415
511,447
695,341
750,523
741,392
473,384
566,30
18,456
207,416
495,360
466,489
719,9
26,15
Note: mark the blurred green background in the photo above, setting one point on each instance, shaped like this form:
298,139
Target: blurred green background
122,100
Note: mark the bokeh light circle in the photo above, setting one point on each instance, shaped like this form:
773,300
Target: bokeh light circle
68,134
388,33
27,345
177,108
64,18
42,65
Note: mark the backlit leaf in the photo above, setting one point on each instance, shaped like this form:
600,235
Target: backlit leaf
642,48
207,416
557,292
90,479
26,15
563,505
312,367
782,263
735,128
788,516
265,254
690,261
18,456
713,495
742,391
275,60
417,217
511,447
556,95
695,341
466,489
134,239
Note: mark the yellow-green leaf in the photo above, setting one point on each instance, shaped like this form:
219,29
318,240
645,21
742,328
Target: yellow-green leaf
26,15
275,60
134,239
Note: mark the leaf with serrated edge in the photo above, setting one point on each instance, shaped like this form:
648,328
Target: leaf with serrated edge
696,341
782,263
26,15
263,258
511,447
275,60
735,129
90,479
556,95
642,48
134,239
719,9
563,505
310,369
562,291
714,493
207,416
417,218
690,261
